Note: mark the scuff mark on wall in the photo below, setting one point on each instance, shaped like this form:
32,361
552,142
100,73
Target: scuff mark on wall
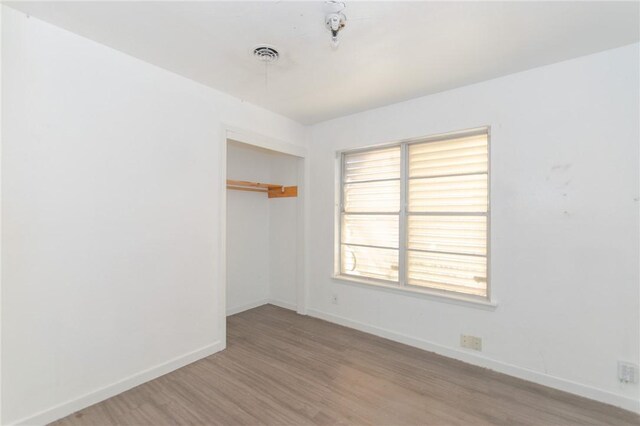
561,167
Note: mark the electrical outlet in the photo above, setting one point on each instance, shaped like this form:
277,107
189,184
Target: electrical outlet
471,342
334,299
627,372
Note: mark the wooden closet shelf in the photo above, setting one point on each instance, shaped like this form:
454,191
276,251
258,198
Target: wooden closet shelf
272,190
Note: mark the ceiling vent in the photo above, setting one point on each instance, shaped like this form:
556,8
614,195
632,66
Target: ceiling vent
267,54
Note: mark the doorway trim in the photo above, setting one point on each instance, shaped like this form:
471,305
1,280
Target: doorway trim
230,132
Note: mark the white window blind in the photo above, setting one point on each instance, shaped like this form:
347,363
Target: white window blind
370,214
438,239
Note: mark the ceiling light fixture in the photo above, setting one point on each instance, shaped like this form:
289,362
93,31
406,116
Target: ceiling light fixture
336,20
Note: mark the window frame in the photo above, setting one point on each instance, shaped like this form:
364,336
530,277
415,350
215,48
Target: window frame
402,285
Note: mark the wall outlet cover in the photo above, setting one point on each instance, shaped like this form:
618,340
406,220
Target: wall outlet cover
471,342
627,372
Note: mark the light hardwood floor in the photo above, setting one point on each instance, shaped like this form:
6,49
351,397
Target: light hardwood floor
281,368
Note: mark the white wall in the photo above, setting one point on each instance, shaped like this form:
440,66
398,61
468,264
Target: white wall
1,115
564,243
283,241
247,229
111,204
261,232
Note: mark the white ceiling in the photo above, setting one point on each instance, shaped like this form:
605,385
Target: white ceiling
389,51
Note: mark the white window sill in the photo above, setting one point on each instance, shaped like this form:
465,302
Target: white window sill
456,299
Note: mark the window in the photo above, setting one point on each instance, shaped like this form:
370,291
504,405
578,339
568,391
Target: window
415,214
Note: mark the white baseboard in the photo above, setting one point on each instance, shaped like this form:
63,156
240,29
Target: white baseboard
283,304
246,307
275,302
470,358
59,411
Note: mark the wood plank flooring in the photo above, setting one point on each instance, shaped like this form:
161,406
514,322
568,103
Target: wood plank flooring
281,368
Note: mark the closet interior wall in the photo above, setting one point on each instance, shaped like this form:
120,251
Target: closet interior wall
261,232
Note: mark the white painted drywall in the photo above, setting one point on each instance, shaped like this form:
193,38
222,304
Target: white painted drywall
283,226
261,232
564,243
247,229
1,37
111,205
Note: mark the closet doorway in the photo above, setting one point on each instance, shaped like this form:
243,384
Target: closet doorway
264,225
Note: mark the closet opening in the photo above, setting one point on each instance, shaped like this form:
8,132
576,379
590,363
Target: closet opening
264,228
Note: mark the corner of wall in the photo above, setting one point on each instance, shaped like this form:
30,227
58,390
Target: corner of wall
2,6
62,410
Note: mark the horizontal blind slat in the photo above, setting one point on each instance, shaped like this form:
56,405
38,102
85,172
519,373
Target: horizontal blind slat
465,272
454,156
449,144
447,234
449,153
372,196
379,230
370,262
449,194
372,165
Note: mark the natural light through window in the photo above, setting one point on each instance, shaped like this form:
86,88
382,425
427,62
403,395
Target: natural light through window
415,214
